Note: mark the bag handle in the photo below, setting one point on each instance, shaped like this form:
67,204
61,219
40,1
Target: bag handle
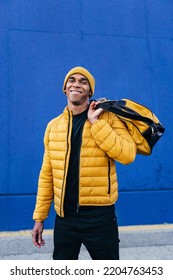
121,110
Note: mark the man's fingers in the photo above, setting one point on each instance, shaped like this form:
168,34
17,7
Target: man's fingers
40,240
94,104
37,239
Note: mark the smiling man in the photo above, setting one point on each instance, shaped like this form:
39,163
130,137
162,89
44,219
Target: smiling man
79,174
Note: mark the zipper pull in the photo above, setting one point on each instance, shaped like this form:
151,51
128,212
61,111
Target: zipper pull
77,210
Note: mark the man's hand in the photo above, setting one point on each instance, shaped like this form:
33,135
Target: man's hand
94,113
37,234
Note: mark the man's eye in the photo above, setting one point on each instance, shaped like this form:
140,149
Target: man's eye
84,82
71,80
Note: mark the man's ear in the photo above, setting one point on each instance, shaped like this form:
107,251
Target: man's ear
90,93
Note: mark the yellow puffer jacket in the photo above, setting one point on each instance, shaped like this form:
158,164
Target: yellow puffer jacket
104,141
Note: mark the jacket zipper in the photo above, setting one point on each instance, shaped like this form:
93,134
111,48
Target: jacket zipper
109,180
77,206
65,171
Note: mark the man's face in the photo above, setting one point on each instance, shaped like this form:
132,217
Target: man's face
77,89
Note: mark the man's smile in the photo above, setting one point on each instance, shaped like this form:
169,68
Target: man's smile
75,91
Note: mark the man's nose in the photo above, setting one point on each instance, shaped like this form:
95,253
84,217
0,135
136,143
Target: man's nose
76,84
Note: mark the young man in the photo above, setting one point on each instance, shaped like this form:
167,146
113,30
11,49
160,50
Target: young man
79,174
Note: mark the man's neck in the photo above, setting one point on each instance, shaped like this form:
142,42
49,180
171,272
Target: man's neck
77,109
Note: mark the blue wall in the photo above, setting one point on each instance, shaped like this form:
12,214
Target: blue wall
128,46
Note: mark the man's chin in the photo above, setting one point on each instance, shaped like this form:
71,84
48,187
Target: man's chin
76,103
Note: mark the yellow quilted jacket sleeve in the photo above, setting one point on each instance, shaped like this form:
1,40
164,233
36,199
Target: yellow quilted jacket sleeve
45,185
112,136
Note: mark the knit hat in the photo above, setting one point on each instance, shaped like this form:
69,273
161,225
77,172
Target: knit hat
85,73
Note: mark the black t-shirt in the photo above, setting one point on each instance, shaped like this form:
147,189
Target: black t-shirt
71,202
72,183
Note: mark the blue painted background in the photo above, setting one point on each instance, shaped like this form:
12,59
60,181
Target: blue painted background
128,47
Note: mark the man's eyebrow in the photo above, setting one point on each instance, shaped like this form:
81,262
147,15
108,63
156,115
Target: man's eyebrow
82,79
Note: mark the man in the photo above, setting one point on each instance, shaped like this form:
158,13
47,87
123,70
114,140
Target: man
79,174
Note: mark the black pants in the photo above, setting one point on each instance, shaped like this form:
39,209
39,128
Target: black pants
99,234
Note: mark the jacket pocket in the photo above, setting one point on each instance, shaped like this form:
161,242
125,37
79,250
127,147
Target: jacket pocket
109,179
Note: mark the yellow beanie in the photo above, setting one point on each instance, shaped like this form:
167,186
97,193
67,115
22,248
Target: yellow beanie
85,73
